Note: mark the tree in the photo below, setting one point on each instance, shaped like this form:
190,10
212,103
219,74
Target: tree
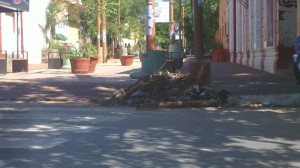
132,19
52,16
62,11
210,22
89,17
162,34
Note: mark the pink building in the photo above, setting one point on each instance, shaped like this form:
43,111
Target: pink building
259,33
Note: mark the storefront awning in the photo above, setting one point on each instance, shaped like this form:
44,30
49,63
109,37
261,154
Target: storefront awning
14,5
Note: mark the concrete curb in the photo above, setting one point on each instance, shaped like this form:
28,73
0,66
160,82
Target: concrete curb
266,100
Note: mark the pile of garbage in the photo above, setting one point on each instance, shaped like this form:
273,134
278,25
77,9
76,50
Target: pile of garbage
169,89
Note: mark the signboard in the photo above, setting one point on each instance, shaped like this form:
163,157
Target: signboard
162,11
20,5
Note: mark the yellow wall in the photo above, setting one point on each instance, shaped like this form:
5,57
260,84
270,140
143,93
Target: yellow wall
73,35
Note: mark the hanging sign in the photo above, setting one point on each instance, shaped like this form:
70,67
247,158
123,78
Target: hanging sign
16,5
162,12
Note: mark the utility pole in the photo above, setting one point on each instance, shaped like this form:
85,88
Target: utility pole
172,35
150,25
98,33
119,28
182,27
198,31
200,67
104,41
180,22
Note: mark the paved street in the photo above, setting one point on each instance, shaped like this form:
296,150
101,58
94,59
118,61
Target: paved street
39,135
69,132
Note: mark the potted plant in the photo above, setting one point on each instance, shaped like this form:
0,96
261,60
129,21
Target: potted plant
126,57
79,61
90,51
83,58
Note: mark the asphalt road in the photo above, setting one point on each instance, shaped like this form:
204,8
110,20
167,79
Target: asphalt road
37,135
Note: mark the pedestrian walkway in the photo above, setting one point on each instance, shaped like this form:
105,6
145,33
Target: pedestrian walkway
244,83
62,85
249,85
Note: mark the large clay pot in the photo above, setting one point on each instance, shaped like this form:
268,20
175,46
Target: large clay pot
80,65
126,60
93,63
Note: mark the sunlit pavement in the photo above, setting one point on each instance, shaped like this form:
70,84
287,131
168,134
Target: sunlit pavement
245,84
62,85
35,135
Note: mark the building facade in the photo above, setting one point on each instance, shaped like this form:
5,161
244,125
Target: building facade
260,33
222,32
26,31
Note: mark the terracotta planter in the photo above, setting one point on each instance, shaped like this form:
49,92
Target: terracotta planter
126,60
93,63
80,65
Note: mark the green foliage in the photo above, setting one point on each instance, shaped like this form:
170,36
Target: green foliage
60,37
210,22
88,19
85,51
52,11
89,49
59,11
74,53
188,22
132,18
162,35
55,45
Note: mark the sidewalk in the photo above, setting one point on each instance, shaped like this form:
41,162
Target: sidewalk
62,85
245,84
248,85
